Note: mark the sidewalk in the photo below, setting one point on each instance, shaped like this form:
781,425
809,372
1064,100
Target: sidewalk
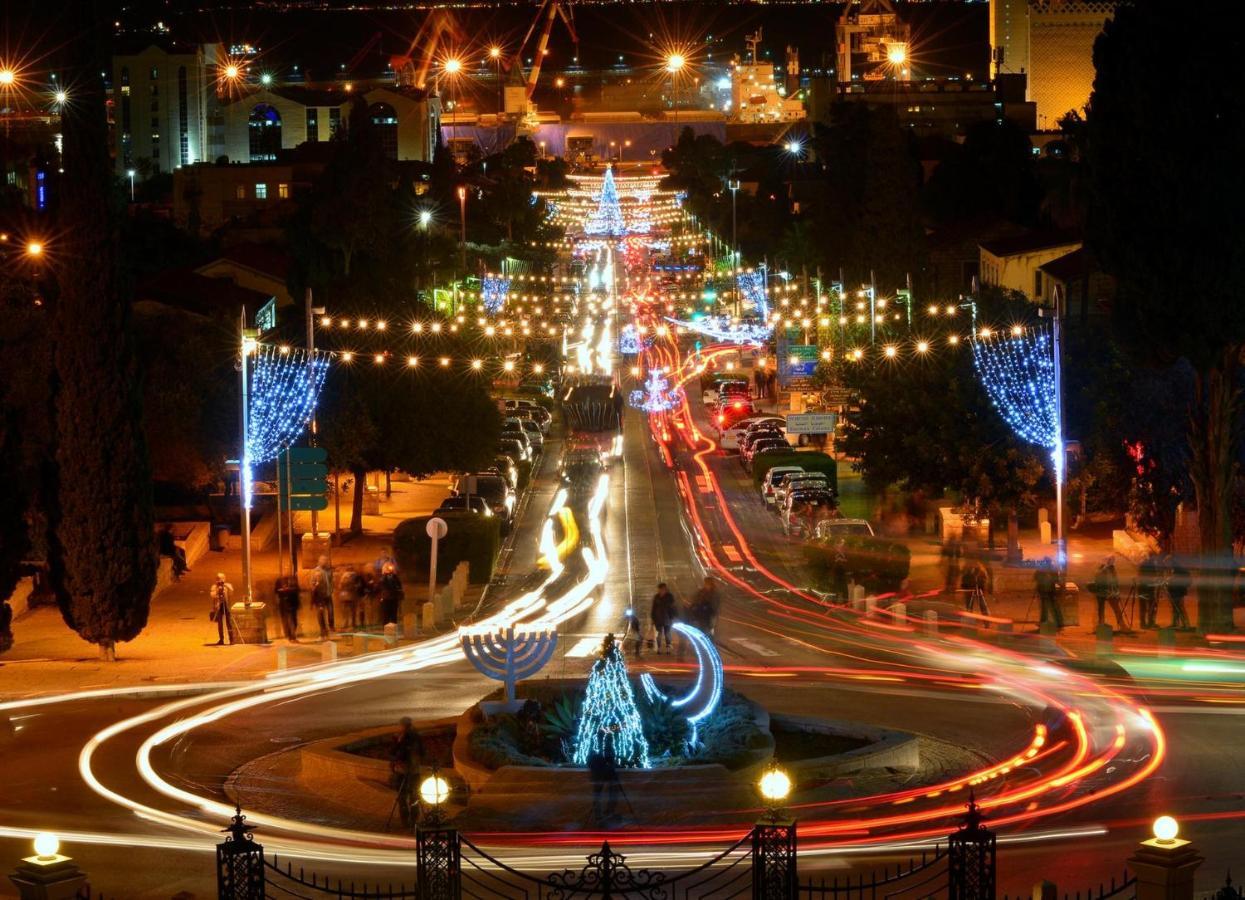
179,643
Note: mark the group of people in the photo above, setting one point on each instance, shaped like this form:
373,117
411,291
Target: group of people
366,595
664,611
1154,576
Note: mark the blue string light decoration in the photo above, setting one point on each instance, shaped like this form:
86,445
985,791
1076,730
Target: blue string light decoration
657,395
608,217
285,386
1019,375
722,329
630,342
610,713
493,292
751,286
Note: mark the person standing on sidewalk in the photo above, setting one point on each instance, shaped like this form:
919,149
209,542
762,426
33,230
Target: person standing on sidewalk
661,614
705,607
221,594
1177,589
1149,580
1046,582
384,559
322,597
350,596
288,604
1106,590
977,584
391,595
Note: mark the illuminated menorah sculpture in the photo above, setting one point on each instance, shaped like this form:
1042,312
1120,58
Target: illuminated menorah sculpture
509,653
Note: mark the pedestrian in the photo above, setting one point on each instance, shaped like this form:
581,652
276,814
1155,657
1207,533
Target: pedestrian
350,596
1106,590
633,630
221,594
168,547
6,625
705,607
978,584
391,594
1149,582
951,554
384,559
838,571
406,754
603,773
288,604
662,613
1046,582
1177,588
322,597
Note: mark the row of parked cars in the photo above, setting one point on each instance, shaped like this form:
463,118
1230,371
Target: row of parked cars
806,504
494,491
761,435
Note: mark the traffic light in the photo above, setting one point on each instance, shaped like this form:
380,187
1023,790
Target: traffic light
303,478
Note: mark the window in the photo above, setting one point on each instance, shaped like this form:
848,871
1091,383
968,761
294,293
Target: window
335,121
385,123
183,117
239,192
261,191
313,124
283,191
155,73
264,129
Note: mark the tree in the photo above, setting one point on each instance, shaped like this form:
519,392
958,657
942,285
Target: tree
990,175
102,552
1176,299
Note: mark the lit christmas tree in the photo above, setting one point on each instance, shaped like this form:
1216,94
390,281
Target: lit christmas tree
610,713
608,218
657,395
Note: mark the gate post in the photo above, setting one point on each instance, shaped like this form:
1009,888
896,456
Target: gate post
971,859
239,862
774,860
438,862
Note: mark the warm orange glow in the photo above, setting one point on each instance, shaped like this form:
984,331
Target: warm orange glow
7,77
453,66
34,248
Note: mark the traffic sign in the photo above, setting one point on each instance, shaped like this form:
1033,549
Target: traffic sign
308,503
307,454
302,474
811,423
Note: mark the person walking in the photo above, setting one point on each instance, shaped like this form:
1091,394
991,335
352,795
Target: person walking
1046,582
391,594
978,583
705,607
1177,588
322,597
1106,590
1149,581
288,604
350,596
633,630
221,594
406,754
951,554
662,613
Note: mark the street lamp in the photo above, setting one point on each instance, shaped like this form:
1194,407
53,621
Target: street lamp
674,65
774,787
452,67
425,218
34,249
434,790
131,173
7,77
494,53
733,185
60,97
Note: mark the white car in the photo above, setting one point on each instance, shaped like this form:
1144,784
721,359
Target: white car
773,478
733,435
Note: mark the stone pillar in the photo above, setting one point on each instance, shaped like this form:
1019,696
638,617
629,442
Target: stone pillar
1045,890
931,621
1164,869
48,876
428,618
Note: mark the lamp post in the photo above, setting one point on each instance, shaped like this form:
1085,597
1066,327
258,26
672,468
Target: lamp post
494,53
733,184
774,840
131,173
674,65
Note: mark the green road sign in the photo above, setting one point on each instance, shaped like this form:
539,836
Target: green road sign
314,471
307,454
308,503
307,486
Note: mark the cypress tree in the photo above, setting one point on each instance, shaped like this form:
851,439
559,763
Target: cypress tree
102,557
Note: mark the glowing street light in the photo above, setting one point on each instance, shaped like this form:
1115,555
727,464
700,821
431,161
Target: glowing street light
462,218
60,97
232,72
675,62
34,249
7,77
266,79
897,54
494,52
425,218
131,173
774,787
453,66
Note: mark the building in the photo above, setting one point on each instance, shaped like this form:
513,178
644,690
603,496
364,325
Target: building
209,195
259,122
872,43
259,268
755,92
1086,290
162,90
1014,263
1052,43
946,106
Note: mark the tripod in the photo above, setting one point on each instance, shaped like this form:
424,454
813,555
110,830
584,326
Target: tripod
402,797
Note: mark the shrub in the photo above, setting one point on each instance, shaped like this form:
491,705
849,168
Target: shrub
476,539
809,461
877,563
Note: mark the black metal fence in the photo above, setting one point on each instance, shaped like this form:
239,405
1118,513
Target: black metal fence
911,881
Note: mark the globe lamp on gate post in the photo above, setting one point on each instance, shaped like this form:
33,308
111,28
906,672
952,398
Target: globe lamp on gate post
774,787
49,873
433,791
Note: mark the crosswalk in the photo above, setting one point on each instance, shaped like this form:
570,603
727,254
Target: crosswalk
586,646
757,648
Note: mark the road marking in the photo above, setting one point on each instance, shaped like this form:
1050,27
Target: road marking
731,553
755,647
703,484
586,646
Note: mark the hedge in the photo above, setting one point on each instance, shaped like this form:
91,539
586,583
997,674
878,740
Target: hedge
809,461
877,563
474,538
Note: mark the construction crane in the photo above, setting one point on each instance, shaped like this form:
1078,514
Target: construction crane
438,28
362,54
549,11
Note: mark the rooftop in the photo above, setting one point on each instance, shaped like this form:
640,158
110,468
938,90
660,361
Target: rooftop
1030,242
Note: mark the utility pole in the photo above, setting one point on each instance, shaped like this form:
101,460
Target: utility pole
245,344
873,315
311,389
1060,460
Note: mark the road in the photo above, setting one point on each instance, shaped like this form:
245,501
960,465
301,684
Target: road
1070,768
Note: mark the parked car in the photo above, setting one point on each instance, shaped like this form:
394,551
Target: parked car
534,434
473,505
733,434
773,479
763,447
829,529
800,482
513,448
505,467
796,508
758,434
518,434
734,409
493,489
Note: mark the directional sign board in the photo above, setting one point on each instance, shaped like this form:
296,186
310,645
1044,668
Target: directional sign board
811,423
303,474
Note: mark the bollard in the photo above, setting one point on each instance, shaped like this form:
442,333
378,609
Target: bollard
328,651
1104,640
1167,641
931,621
899,611
428,618
359,644
391,634
283,654
410,625
871,606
